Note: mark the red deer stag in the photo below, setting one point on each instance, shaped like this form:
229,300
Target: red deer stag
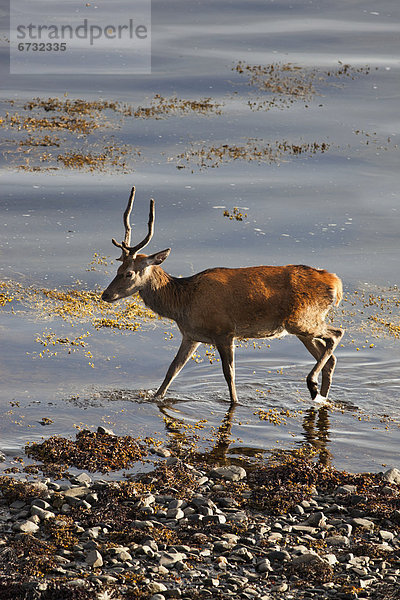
221,304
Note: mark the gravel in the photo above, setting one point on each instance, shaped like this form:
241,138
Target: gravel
148,539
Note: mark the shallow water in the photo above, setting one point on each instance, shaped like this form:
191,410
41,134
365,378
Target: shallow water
338,209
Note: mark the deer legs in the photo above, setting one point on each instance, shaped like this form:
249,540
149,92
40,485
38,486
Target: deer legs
225,348
226,351
322,349
185,351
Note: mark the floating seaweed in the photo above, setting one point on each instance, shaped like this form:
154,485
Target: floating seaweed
287,83
161,107
253,150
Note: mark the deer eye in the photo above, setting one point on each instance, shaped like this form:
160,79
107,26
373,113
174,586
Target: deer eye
129,274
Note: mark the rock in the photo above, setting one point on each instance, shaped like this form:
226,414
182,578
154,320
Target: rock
302,529
157,597
229,473
238,517
163,452
317,519
337,540
175,513
93,532
40,488
264,566
363,523
168,559
77,582
18,504
26,527
94,559
83,478
396,516
104,431
42,513
280,587
76,492
392,475
345,490
279,555
202,480
305,559
330,559
2,457
40,503
242,554
214,519
387,536
155,587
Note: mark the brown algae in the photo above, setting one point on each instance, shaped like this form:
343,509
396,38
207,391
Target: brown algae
252,151
93,451
161,107
287,83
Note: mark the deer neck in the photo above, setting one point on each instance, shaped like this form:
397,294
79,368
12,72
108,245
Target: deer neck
163,294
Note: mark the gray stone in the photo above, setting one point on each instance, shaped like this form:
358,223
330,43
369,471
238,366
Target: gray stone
305,559
103,430
202,480
215,519
280,587
83,478
241,553
18,504
77,582
26,527
279,555
366,582
330,559
345,490
123,555
163,452
93,532
337,540
40,503
363,523
304,529
157,597
156,587
175,513
2,457
264,566
94,559
387,536
168,559
42,513
229,473
76,492
392,475
237,517
317,519
136,524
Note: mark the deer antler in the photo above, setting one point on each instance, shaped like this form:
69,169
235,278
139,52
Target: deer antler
150,225
132,250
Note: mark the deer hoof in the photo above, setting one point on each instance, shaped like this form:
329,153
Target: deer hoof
320,399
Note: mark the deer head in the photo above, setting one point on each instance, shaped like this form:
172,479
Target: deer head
135,270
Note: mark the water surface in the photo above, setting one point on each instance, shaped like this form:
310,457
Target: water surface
337,209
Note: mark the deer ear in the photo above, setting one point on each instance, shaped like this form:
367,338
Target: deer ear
158,257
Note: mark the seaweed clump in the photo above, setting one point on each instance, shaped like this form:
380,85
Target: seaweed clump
252,151
161,107
93,451
292,477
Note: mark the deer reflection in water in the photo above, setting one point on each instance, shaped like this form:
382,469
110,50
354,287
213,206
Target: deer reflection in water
316,432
